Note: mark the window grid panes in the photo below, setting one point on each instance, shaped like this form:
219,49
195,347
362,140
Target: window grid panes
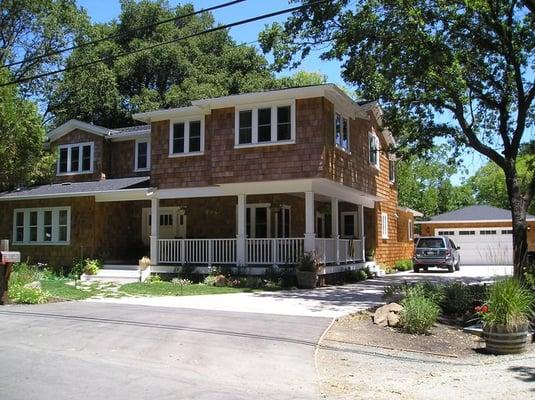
284,127
75,158
195,136
41,226
142,151
264,125
178,138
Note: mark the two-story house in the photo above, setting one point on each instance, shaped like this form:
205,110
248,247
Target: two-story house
248,180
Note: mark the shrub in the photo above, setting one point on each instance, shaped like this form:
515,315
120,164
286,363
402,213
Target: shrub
369,273
181,281
460,298
187,271
356,275
24,273
419,312
154,279
509,303
309,262
91,267
395,292
210,280
403,265
27,295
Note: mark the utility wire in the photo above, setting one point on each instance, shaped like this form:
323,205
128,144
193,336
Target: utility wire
211,30
120,34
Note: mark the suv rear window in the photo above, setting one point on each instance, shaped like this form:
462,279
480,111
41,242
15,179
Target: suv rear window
431,243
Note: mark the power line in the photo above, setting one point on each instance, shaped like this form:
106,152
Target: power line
211,30
118,35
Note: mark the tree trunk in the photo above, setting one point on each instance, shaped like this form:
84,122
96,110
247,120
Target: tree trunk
520,226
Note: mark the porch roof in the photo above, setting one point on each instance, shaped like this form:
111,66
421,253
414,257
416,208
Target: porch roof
138,184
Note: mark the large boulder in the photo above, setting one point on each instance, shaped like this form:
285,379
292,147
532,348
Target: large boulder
381,315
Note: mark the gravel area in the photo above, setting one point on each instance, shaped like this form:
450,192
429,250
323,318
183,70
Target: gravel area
359,360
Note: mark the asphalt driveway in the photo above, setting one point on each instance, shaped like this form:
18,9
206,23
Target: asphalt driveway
235,346
84,350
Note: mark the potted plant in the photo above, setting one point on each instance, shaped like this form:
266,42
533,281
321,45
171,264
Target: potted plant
506,316
307,270
370,254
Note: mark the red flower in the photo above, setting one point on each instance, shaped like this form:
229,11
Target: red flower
484,308
477,308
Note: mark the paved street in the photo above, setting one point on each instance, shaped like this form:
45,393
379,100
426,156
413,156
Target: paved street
236,346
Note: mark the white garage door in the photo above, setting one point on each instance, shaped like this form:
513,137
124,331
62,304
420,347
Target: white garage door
482,246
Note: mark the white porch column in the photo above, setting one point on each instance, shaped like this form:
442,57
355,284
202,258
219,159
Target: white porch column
241,236
361,231
310,235
334,228
154,230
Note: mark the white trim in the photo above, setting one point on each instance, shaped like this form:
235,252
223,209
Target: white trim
113,195
254,122
355,224
384,225
73,124
136,160
410,230
169,114
477,231
343,118
377,164
391,160
410,210
40,225
186,122
69,148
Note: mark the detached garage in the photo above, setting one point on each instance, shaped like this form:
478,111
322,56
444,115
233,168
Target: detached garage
483,233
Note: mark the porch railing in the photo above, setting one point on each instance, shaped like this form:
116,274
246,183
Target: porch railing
270,251
279,251
334,251
197,251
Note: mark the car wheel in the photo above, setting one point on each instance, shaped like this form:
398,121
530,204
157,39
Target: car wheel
458,266
426,268
450,268
416,269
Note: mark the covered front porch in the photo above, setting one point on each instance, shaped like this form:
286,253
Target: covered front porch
258,224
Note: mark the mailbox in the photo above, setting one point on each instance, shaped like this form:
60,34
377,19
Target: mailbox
9,257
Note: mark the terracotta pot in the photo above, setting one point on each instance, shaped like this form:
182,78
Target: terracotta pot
500,339
306,279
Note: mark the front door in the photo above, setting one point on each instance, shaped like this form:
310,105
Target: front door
173,223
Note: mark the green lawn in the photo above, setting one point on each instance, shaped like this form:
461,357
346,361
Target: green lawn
174,289
60,289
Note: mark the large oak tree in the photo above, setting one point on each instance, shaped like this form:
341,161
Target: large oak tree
460,69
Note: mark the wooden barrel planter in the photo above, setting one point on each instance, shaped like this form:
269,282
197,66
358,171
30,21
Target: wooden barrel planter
500,340
306,279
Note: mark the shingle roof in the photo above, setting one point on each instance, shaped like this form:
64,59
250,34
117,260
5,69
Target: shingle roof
129,131
475,213
66,189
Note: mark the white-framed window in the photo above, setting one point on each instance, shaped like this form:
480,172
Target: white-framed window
341,131
392,170
384,225
75,158
349,224
266,124
373,145
142,155
282,219
410,229
186,137
42,226
446,233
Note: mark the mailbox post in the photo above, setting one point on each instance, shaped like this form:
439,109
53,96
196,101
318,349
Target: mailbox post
7,259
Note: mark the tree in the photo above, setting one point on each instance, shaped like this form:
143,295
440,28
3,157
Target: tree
302,78
31,29
488,183
424,185
22,158
461,69
172,75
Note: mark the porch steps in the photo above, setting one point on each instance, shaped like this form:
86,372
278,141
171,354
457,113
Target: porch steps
118,274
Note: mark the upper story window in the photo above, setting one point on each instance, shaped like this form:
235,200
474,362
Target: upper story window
341,131
42,226
373,144
186,137
392,170
75,158
142,155
265,125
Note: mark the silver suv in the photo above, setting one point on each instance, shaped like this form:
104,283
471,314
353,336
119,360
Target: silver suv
436,251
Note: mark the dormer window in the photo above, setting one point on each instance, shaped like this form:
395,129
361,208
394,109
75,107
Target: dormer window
265,125
341,131
186,138
75,158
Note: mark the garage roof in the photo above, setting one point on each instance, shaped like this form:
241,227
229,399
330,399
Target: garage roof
475,214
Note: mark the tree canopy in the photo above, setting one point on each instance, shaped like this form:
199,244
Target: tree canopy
459,69
172,75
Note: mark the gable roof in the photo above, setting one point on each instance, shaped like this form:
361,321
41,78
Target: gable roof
128,132
73,124
478,213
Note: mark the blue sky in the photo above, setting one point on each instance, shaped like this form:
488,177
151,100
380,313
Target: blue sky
106,10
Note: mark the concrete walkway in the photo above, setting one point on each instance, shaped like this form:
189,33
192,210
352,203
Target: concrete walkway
329,302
